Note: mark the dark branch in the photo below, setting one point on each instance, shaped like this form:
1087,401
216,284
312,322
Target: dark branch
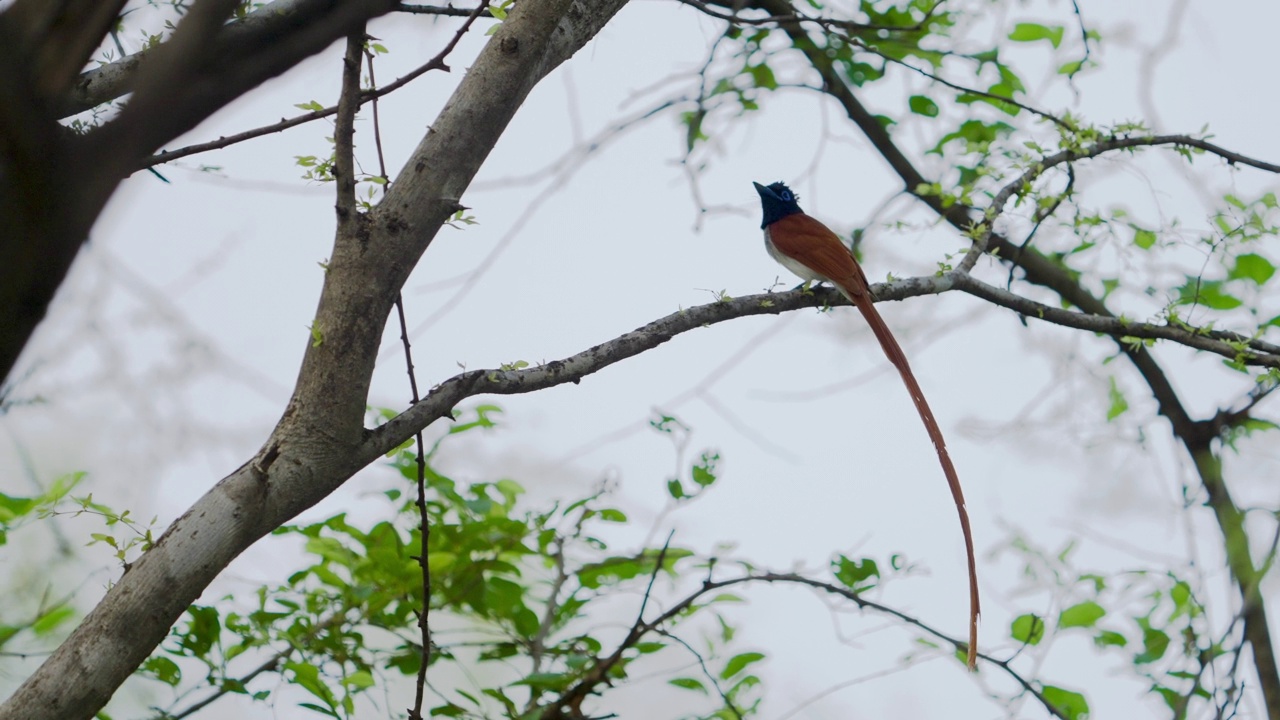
370,95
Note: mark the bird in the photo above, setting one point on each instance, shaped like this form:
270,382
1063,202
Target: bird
814,253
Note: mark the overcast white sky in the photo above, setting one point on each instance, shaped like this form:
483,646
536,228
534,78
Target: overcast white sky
173,347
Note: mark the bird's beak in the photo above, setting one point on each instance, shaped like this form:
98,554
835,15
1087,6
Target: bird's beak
761,189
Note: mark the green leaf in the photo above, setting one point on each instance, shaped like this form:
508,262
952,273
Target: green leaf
1180,594
1070,68
1031,32
552,682
1208,293
922,105
858,575
688,683
1027,628
1084,614
1144,239
12,507
163,669
51,620
201,631
762,77
1154,643
1109,638
1118,404
738,663
307,676
977,135
1252,267
704,472
1072,704
675,489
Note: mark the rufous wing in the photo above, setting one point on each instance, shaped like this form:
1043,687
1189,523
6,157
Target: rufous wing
817,247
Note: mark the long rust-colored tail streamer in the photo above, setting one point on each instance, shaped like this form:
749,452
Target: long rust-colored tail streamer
811,250
893,351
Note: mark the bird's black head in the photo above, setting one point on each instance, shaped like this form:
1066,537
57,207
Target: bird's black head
778,202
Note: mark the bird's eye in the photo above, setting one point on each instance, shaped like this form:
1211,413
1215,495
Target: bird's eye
786,195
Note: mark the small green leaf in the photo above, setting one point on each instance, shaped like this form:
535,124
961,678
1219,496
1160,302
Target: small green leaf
858,575
1144,239
51,620
688,683
1154,642
1253,267
1084,614
1031,32
738,663
762,76
1073,705
552,682
613,515
1070,68
1027,628
1109,638
704,472
1208,293
1118,404
162,669
922,105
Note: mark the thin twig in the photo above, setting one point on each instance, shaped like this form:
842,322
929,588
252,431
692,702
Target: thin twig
344,164
424,621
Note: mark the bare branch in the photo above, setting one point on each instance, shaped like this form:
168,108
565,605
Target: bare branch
344,129
447,11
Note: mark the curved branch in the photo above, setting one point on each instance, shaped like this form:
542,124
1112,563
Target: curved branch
439,403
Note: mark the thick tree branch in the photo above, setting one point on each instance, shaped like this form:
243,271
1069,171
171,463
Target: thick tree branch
57,38
53,184
371,95
320,440
275,20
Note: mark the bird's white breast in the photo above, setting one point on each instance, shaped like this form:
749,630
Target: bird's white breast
796,267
